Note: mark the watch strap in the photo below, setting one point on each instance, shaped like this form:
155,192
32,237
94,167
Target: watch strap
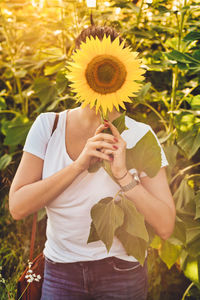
135,181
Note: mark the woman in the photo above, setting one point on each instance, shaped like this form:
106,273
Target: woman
53,173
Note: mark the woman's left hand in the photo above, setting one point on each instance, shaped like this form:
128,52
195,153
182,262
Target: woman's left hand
118,164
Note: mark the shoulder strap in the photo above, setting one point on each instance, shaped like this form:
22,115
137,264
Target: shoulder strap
34,225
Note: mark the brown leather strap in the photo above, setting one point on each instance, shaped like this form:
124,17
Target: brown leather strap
34,225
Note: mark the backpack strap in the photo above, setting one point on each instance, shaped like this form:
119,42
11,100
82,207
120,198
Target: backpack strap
34,224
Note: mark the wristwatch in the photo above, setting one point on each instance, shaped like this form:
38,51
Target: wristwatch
135,180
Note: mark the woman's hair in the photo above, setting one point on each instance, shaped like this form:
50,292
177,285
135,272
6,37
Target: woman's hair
98,31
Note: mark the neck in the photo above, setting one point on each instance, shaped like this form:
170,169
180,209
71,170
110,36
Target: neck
90,116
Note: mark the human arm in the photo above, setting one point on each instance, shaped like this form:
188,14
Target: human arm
29,192
152,197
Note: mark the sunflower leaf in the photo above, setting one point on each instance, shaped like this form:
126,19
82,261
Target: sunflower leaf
119,123
133,221
93,236
107,217
145,155
133,245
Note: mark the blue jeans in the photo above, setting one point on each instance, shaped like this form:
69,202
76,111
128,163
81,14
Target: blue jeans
105,279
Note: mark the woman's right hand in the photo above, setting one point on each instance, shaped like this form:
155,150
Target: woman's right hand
91,153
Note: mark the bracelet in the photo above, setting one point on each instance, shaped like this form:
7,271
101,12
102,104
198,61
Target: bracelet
135,181
122,176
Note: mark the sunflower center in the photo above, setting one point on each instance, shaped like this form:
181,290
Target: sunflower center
105,74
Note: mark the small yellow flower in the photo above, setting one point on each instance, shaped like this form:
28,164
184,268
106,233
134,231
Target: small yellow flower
104,74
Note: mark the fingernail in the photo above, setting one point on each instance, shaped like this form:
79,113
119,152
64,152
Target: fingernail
111,157
115,139
106,125
115,147
105,120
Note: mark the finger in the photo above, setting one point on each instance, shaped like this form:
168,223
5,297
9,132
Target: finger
98,145
104,136
100,155
114,130
101,128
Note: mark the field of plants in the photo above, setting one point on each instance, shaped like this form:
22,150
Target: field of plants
36,41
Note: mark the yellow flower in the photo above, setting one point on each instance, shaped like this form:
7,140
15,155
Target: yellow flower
104,74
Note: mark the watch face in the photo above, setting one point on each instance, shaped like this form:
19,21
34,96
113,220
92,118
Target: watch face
136,177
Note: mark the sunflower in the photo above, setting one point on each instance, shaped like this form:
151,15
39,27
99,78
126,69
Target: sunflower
104,74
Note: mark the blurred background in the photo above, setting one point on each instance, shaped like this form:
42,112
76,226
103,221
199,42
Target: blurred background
36,41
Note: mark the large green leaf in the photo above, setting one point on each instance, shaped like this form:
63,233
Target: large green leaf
145,155
45,90
61,82
192,36
134,246
191,267
119,123
53,68
179,234
107,217
181,57
194,102
93,236
169,253
184,194
16,130
142,93
190,141
133,221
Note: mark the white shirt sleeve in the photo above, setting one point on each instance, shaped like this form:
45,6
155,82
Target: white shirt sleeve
39,134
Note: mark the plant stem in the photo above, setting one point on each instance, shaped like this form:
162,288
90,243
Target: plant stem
24,291
180,26
187,290
116,195
181,172
140,13
158,114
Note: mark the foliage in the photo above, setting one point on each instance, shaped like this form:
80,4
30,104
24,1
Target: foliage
36,40
113,216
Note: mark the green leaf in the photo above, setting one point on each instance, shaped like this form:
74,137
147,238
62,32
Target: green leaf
2,103
133,221
181,57
54,68
45,90
16,130
61,82
5,161
41,214
120,123
169,253
107,217
191,268
179,234
93,236
156,243
142,93
145,155
192,36
184,194
134,246
190,141
194,102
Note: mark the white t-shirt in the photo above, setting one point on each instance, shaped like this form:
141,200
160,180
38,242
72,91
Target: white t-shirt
68,222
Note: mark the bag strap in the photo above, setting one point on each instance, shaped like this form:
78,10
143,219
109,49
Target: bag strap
34,224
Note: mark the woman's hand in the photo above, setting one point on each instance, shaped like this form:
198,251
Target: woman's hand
118,155
91,153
